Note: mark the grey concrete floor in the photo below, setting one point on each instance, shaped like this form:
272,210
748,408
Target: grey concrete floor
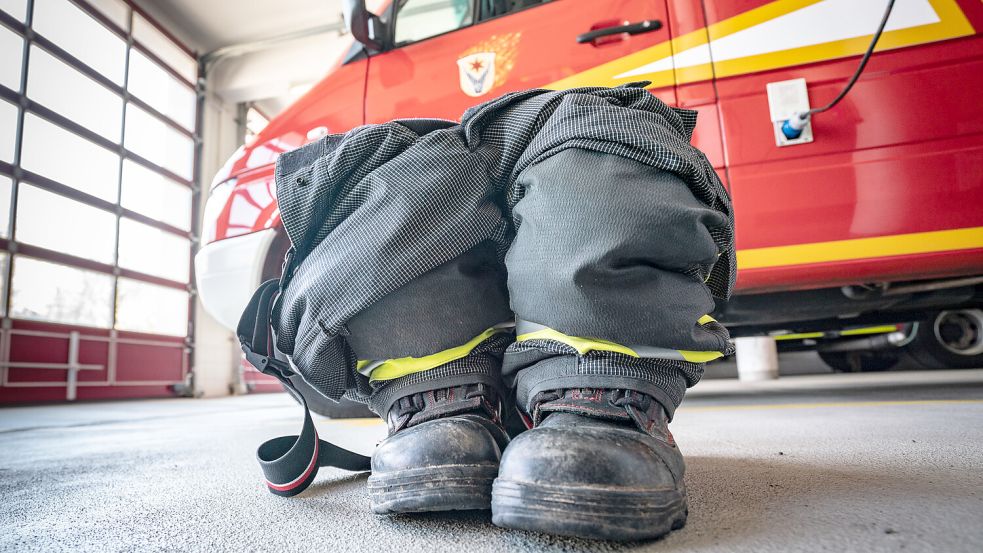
869,462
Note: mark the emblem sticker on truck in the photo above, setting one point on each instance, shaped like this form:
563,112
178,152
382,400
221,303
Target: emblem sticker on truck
477,73
487,64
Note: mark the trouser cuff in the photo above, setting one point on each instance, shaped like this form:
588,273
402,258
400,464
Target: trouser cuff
483,365
533,370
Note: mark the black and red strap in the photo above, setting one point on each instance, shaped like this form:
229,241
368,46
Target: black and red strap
289,463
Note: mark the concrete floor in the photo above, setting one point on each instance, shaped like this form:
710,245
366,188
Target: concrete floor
870,462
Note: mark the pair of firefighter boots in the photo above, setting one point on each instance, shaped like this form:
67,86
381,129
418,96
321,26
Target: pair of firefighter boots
596,463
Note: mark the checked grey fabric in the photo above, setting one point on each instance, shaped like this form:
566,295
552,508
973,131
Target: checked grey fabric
586,211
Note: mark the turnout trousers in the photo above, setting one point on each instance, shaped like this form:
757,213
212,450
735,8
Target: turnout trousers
550,240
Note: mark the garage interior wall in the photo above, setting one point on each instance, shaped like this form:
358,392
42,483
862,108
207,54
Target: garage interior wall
99,200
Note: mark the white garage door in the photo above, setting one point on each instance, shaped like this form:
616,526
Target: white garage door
98,155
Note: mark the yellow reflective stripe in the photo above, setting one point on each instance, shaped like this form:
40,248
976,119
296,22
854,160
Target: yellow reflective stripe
582,345
870,330
861,248
800,336
700,356
882,329
395,368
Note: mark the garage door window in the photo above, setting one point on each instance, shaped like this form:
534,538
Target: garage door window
14,8
154,195
8,130
144,307
164,92
153,251
82,36
154,140
5,185
73,296
56,153
11,45
98,134
89,104
57,223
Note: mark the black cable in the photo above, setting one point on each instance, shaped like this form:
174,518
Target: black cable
860,68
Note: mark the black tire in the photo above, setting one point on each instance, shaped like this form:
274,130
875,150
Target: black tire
950,340
859,361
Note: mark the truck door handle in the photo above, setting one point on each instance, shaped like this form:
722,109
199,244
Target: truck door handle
646,26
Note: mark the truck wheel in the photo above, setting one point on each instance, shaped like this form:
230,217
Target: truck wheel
950,340
859,361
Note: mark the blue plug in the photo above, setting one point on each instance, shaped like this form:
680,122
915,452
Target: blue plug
792,128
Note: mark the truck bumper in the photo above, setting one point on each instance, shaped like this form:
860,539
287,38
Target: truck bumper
229,271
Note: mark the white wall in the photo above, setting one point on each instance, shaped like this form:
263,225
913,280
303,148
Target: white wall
217,350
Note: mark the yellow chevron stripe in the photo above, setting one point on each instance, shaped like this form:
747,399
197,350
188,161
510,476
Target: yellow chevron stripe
582,345
952,24
861,248
603,75
395,368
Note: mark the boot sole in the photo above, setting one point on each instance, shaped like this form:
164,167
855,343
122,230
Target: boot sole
588,512
439,488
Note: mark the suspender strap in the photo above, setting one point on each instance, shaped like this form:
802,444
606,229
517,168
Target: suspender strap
289,463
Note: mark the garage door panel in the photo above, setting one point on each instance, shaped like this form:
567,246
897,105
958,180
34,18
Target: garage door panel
37,349
94,352
139,362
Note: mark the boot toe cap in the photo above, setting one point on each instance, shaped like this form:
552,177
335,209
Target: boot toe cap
585,457
441,442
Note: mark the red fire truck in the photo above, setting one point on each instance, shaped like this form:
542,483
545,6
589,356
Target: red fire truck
863,237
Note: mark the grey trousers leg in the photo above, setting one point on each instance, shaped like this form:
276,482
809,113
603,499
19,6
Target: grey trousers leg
441,309
612,249
605,248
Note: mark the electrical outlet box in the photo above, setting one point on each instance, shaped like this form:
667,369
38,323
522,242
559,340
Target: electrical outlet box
785,100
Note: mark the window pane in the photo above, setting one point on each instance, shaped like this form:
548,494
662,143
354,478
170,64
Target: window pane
420,19
57,86
153,139
161,90
51,292
145,307
61,224
81,36
154,195
69,159
5,184
8,130
11,58
153,251
255,123
164,48
4,259
117,11
16,8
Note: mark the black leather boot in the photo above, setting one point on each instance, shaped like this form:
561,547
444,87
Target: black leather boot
442,452
597,464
